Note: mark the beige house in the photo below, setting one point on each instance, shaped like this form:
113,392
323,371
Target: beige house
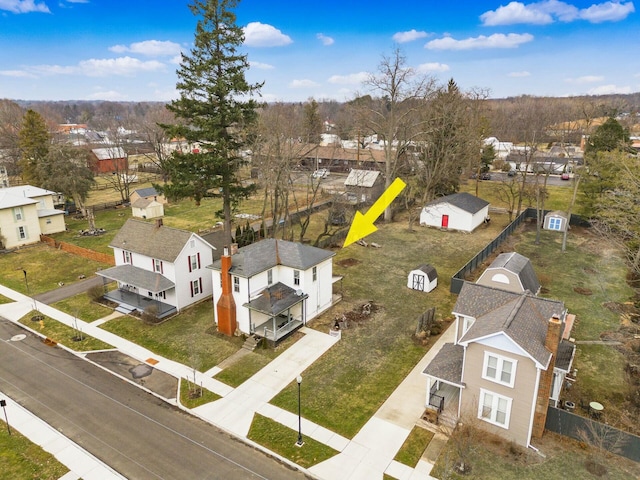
507,364
26,212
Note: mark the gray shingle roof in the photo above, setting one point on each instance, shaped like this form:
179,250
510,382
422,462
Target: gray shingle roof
429,270
164,243
566,351
144,279
521,266
268,253
146,192
275,299
463,200
523,317
361,178
447,364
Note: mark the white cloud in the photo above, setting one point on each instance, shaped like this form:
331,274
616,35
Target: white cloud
23,6
258,34
123,66
549,11
432,67
326,41
261,66
586,79
151,48
609,89
607,12
410,36
118,66
521,74
17,74
305,83
497,40
351,79
106,95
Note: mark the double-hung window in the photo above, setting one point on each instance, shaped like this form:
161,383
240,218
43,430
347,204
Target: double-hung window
236,284
296,277
157,265
315,273
494,408
499,369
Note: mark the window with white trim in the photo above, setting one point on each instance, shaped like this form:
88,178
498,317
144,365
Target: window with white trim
296,277
494,408
22,233
17,214
314,272
157,265
555,224
236,284
466,324
126,256
194,262
499,369
196,287
269,276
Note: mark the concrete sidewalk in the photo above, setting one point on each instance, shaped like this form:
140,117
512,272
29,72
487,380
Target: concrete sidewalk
367,456
81,464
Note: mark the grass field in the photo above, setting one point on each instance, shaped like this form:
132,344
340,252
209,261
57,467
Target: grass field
186,338
62,334
45,267
22,460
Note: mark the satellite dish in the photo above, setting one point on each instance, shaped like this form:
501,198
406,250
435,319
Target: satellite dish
299,292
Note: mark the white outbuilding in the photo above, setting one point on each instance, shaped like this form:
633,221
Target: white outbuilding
460,211
424,278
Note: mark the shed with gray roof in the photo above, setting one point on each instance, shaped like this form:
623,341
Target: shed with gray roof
459,211
511,271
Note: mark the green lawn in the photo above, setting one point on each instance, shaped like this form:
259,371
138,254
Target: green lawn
203,395
62,334
252,362
343,389
80,306
282,440
45,267
4,299
22,460
414,446
189,338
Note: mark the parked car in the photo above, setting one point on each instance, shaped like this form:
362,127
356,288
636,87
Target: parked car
511,173
485,176
564,176
322,173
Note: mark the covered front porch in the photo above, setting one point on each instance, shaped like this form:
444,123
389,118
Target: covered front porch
444,385
138,290
277,312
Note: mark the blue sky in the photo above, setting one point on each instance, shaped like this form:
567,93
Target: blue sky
128,50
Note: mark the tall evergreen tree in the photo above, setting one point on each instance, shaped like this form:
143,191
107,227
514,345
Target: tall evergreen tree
34,146
215,108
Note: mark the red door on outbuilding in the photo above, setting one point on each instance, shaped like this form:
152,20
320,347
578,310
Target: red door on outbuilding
445,221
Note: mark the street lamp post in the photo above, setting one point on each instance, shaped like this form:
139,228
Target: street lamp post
3,404
299,443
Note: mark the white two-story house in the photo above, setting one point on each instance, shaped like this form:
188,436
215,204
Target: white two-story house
26,212
277,286
160,266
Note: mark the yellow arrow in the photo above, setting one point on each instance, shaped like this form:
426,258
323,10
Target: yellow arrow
363,225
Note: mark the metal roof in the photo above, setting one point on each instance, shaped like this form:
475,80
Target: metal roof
138,277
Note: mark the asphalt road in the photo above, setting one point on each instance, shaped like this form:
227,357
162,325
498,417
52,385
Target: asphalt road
135,433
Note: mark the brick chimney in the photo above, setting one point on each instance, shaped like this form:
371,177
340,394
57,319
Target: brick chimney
552,340
226,306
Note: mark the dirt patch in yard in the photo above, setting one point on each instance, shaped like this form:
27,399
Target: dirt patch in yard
582,291
348,262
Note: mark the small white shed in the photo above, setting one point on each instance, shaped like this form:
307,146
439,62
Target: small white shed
147,208
424,278
460,211
556,220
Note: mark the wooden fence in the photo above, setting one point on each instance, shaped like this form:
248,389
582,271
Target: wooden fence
80,251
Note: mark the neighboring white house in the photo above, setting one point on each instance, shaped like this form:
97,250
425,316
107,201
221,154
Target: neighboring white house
460,211
26,212
511,271
501,149
160,266
277,286
424,278
556,220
